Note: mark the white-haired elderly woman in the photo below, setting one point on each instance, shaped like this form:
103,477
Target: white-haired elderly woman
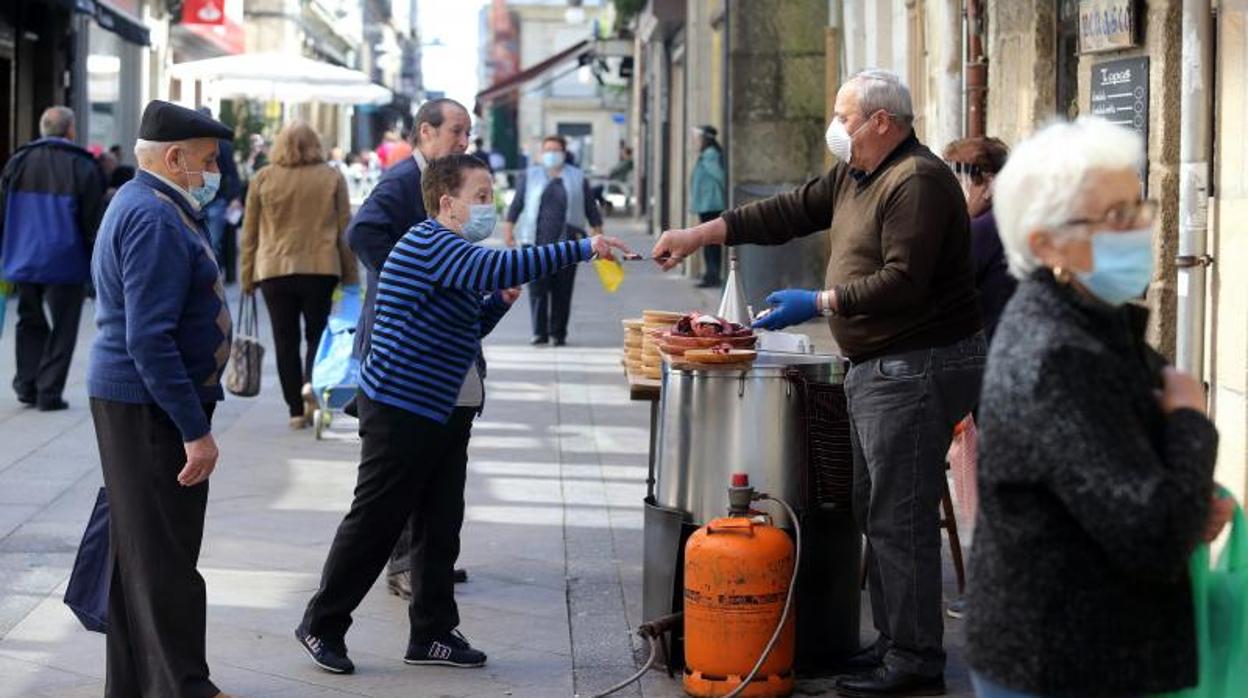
1096,461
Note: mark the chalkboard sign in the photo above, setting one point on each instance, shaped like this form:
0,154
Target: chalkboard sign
1120,95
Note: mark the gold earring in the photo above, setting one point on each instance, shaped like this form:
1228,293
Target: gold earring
1061,274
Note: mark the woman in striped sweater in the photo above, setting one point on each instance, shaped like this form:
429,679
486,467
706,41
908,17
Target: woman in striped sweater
439,293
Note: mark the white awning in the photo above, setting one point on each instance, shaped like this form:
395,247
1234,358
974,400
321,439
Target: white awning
281,77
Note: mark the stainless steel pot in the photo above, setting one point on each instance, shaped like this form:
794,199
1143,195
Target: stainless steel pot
715,423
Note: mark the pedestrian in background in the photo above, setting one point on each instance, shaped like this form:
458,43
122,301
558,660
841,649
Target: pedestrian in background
706,196
440,293
216,213
1096,457
552,203
51,201
901,304
154,379
295,251
976,162
392,208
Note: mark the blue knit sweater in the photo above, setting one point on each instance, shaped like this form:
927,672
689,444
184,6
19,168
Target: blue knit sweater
432,312
164,326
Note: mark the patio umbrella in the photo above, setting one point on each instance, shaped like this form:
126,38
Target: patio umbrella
282,78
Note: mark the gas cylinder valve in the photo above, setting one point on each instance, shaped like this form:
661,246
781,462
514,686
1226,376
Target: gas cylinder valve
740,494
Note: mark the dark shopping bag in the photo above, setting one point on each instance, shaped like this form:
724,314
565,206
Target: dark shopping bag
1221,597
87,593
242,378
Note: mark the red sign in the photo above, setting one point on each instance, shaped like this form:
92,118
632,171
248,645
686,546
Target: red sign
203,12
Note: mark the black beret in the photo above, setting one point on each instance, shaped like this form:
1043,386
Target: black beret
164,122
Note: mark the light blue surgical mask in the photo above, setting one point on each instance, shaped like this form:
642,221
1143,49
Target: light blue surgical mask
205,193
480,224
1122,265
552,159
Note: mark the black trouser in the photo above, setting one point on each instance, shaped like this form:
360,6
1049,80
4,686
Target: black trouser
550,303
156,602
288,298
44,352
712,255
903,408
412,472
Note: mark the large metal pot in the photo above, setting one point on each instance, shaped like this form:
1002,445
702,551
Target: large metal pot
713,423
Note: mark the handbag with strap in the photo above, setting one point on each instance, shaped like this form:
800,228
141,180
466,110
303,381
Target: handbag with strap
242,378
87,592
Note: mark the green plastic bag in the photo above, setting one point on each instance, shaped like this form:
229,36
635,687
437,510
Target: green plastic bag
1221,597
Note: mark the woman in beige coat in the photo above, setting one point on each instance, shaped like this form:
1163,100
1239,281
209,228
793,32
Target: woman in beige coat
294,250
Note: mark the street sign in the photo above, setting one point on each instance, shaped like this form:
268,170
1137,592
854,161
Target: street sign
1120,96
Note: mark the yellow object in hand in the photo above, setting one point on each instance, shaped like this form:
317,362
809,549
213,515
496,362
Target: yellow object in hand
610,273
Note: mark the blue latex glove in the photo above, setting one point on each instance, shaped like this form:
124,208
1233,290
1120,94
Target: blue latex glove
791,306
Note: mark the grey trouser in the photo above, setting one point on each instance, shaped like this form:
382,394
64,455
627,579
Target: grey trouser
903,408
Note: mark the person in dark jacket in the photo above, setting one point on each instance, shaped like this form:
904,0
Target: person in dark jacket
1096,458
391,209
553,202
228,196
51,202
900,300
154,379
976,162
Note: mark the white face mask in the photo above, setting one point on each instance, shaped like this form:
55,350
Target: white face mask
840,141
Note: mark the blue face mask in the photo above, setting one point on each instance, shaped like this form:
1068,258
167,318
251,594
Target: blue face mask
552,159
1122,265
204,194
480,224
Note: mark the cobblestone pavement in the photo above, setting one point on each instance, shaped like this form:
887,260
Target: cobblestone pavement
551,540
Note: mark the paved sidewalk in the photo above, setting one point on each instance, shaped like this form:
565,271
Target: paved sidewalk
551,540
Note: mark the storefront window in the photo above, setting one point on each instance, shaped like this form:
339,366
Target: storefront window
104,61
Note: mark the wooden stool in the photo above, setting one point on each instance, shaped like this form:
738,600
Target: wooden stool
949,522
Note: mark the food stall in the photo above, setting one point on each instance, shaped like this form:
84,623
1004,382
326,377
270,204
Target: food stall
722,405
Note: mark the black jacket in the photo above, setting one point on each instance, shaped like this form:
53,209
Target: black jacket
1091,502
392,208
992,276
51,203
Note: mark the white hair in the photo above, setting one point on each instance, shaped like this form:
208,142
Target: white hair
147,152
1041,183
882,89
56,122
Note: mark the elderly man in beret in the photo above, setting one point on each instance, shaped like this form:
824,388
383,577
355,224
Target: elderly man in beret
154,378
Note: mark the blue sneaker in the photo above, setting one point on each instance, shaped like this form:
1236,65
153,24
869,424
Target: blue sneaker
328,655
451,649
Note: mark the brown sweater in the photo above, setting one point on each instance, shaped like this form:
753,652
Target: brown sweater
901,250
295,220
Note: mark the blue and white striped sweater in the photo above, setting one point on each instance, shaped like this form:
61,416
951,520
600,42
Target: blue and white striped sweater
432,312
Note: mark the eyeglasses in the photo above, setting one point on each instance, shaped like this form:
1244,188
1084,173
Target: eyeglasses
965,168
1124,216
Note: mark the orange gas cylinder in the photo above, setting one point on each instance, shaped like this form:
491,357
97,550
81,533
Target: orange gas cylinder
737,573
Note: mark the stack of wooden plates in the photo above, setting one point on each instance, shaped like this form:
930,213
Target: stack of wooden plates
632,345
706,359
655,323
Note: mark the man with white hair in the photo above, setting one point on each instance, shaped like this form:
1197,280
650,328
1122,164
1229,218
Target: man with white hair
154,380
900,300
51,201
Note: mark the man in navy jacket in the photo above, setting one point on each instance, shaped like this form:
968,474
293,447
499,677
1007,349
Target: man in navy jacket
51,202
394,206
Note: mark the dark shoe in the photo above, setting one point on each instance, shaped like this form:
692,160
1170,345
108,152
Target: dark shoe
539,341
400,585
866,659
52,405
561,342
28,400
956,608
708,284
330,656
884,681
451,649
461,576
